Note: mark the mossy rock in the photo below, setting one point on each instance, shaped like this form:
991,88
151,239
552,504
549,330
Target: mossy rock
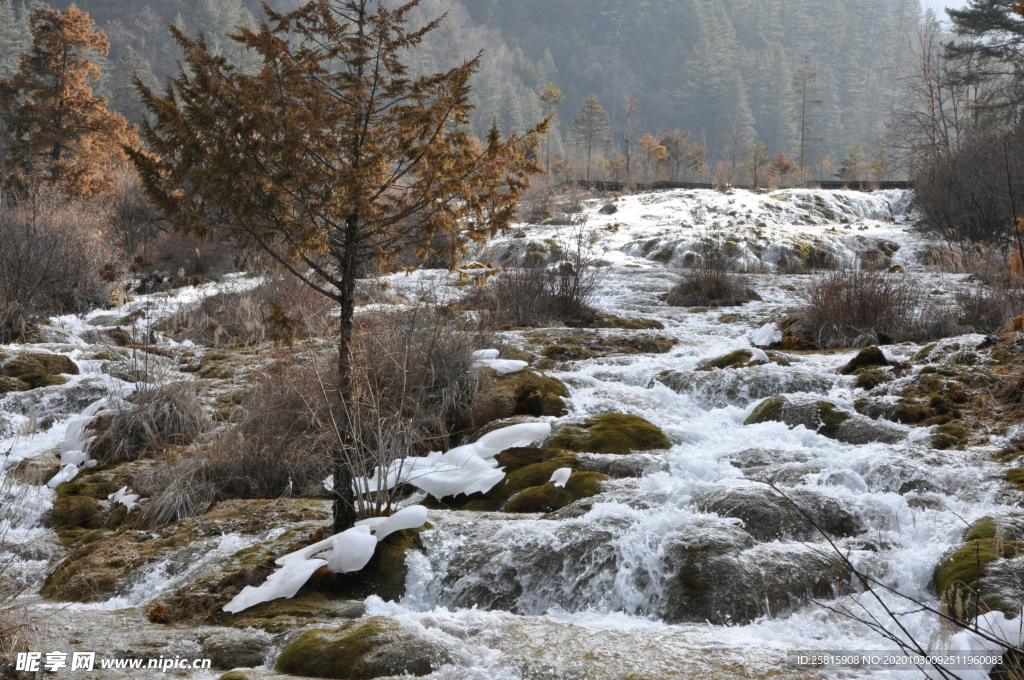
906,411
519,457
611,433
383,576
548,497
866,358
963,572
922,354
568,353
516,481
361,650
870,379
525,393
284,614
600,320
12,385
76,511
741,358
665,255
235,675
93,488
825,418
27,365
950,435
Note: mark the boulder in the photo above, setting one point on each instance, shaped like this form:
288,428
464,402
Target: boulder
718,389
717,575
548,497
741,358
526,393
362,650
237,649
767,516
868,357
609,433
986,561
825,418
75,511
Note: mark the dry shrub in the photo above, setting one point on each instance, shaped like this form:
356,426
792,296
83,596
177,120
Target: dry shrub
858,308
712,279
16,622
973,193
281,308
412,384
997,296
51,252
536,294
147,420
130,218
987,308
180,260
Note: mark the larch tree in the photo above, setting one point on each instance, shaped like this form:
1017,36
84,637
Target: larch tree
330,157
783,166
651,155
550,98
757,163
589,125
53,127
677,151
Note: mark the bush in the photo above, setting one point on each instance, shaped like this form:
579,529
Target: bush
130,217
973,193
712,279
858,308
147,420
51,254
538,294
412,384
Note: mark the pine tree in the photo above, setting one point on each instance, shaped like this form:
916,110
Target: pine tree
124,96
15,36
56,129
588,126
329,158
509,116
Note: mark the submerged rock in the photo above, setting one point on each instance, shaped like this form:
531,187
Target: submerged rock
718,575
741,358
723,388
825,418
767,516
609,433
362,650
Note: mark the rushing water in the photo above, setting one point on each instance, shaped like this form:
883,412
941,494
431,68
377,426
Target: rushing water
594,593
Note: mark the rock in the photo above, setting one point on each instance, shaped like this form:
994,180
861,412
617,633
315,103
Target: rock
718,389
36,369
718,293
525,475
383,576
12,385
236,675
608,209
949,435
285,614
548,497
767,516
525,393
609,433
34,470
75,511
362,650
906,411
738,359
867,357
237,649
988,561
825,418
718,575
870,379
621,465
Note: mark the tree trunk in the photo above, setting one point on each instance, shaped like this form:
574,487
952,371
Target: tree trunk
344,495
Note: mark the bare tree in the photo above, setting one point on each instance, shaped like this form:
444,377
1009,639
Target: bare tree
631,129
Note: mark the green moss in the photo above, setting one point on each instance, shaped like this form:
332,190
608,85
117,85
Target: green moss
27,366
12,385
867,357
957,576
519,457
1015,475
611,433
548,498
611,321
911,412
870,379
519,394
361,650
321,654
75,511
517,480
94,488
731,360
950,435
769,410
664,255
829,415
568,353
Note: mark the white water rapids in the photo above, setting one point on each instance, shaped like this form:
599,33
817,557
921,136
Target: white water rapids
587,595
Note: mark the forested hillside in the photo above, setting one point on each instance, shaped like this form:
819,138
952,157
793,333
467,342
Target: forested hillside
727,72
